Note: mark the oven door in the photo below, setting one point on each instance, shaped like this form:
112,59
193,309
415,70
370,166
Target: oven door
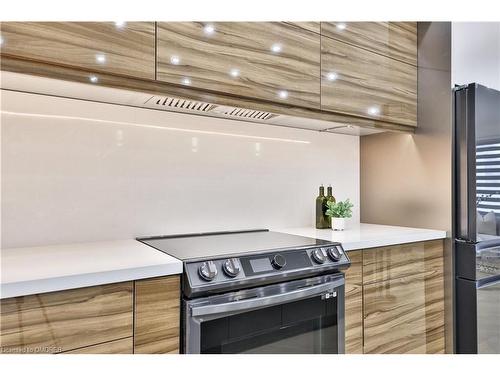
300,316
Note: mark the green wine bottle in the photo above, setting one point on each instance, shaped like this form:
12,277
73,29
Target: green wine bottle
320,209
329,198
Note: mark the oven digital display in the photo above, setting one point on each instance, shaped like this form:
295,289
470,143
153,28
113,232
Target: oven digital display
261,264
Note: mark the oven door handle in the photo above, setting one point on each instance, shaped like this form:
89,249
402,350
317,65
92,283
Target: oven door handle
265,301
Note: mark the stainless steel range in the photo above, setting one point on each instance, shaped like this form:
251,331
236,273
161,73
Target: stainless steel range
259,292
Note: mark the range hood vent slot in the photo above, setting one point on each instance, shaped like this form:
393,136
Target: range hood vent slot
184,105
166,102
245,113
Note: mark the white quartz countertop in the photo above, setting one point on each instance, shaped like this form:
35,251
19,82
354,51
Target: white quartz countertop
363,236
32,270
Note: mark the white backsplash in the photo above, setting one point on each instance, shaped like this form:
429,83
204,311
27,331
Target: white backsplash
77,171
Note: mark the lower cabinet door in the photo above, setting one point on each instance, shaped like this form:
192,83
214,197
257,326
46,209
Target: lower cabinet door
354,304
405,315
157,315
122,346
61,321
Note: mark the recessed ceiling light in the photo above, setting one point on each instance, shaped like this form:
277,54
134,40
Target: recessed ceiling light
283,94
341,26
174,59
186,81
276,47
1,40
100,58
209,29
332,76
120,24
93,79
373,110
234,73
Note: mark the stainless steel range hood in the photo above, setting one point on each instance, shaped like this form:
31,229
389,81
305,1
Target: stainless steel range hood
60,88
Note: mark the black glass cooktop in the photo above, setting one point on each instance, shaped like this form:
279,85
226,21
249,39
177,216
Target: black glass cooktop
224,244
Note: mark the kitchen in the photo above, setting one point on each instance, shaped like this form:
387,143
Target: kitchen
249,187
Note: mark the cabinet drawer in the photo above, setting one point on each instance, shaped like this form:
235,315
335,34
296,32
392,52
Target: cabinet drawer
127,49
397,40
122,346
66,320
358,82
238,58
392,262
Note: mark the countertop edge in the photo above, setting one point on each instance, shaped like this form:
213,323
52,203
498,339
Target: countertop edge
56,284
377,235
368,244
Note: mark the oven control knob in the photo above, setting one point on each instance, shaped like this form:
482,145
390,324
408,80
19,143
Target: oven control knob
334,254
208,271
232,267
278,261
319,256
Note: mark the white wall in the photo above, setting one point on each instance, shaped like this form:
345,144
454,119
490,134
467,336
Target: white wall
476,53
81,173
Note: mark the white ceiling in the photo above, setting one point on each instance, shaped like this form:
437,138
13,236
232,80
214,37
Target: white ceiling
476,53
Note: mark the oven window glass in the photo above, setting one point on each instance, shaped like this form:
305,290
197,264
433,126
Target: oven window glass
302,327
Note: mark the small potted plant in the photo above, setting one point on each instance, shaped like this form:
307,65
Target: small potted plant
339,211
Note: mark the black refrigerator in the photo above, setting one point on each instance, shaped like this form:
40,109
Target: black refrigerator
476,180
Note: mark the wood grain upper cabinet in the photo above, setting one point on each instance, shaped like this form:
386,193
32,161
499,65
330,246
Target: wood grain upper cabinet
275,61
369,70
397,40
117,48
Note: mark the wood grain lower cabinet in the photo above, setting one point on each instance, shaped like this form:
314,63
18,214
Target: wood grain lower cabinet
62,321
354,304
122,346
361,83
393,262
132,317
126,49
403,298
157,315
274,61
394,303
404,315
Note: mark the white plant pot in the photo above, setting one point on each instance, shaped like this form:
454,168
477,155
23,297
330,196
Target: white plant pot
338,223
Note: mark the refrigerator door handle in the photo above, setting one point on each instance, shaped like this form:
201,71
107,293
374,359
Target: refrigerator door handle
465,163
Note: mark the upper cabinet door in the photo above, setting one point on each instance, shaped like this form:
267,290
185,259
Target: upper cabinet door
274,61
397,40
126,48
365,79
